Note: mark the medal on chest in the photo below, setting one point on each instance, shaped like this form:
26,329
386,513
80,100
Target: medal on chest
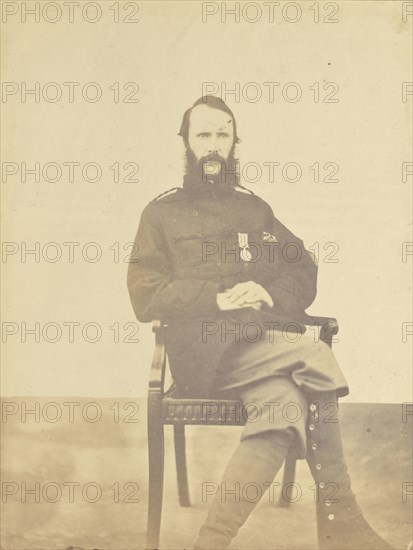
244,246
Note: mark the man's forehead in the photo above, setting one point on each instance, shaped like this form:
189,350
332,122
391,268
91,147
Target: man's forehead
204,118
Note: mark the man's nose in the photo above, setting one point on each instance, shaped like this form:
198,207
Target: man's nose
213,146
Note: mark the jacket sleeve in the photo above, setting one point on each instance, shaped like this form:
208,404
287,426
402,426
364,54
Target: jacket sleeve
153,292
294,286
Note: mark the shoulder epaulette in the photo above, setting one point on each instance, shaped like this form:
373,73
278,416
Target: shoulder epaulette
165,193
245,188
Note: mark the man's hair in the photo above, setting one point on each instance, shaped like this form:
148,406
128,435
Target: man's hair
214,103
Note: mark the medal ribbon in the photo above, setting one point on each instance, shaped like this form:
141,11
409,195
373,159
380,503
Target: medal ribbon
243,244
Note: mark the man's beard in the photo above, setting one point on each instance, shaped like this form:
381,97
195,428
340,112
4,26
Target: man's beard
212,168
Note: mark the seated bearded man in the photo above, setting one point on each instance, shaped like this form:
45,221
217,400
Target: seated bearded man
213,259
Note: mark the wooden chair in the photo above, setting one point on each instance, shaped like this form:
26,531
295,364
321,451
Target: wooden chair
164,409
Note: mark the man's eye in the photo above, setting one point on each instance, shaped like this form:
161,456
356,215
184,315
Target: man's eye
223,136
203,135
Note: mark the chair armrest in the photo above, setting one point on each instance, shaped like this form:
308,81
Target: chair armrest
317,320
329,326
157,373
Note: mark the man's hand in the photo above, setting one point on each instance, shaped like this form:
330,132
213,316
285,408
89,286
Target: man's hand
249,294
224,303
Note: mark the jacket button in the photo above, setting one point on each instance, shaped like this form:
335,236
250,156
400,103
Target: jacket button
322,485
314,446
195,213
327,503
330,517
318,466
313,407
311,427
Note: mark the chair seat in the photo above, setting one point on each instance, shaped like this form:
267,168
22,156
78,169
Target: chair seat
222,412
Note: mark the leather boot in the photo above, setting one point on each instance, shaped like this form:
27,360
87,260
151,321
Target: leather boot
340,522
256,461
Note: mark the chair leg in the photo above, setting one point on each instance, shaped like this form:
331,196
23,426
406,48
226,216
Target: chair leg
181,469
156,469
288,480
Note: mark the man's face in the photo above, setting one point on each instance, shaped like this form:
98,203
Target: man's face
210,137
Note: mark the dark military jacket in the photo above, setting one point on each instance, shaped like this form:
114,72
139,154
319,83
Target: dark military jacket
188,244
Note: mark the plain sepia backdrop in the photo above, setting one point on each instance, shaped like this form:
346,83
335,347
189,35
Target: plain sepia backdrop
170,55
